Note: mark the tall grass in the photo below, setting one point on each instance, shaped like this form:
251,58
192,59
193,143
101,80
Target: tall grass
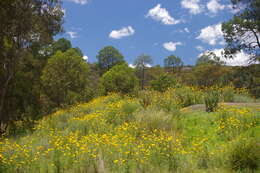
150,133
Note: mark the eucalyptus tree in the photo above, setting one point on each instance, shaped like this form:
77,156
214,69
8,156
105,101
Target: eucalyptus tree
173,62
141,62
23,24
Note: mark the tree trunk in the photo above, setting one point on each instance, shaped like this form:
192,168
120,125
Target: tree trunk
2,102
143,79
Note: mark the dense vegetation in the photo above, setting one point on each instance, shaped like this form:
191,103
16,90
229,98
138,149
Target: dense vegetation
60,113
151,132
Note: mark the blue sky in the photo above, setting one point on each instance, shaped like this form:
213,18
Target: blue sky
185,28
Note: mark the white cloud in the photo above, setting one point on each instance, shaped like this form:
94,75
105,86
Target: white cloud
187,30
193,6
240,59
63,11
82,2
214,6
85,57
123,32
212,35
131,65
161,14
72,34
199,48
171,46
146,65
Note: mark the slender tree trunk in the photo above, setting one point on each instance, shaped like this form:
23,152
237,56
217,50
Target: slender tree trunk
143,78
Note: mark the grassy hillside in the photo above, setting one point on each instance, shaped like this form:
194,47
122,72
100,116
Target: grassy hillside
150,133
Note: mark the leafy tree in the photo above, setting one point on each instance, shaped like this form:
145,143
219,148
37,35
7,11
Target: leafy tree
65,78
209,58
108,57
23,23
141,62
120,78
163,82
173,62
243,31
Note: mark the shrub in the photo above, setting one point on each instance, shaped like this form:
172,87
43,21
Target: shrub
186,96
228,94
163,82
245,154
211,100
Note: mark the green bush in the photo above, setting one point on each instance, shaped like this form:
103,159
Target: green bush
211,100
163,82
228,94
245,155
186,96
120,78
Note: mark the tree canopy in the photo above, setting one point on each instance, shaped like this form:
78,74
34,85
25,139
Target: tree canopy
173,62
120,78
209,58
24,23
65,78
108,57
243,31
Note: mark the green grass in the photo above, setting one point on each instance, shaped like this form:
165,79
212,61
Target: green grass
120,134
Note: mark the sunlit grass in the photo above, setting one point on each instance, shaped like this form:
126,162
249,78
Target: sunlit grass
122,134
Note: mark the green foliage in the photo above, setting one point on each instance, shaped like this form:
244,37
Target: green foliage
163,82
173,62
209,75
65,78
120,78
187,96
211,100
109,57
25,24
115,134
228,94
245,154
233,121
247,77
142,61
209,58
242,32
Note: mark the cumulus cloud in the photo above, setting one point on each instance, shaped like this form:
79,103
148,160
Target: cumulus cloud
240,58
131,65
162,15
123,32
72,34
214,6
192,5
212,35
81,2
85,57
171,46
